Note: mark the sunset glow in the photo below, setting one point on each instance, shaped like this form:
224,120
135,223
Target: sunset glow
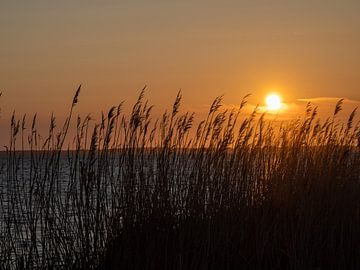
180,134
273,102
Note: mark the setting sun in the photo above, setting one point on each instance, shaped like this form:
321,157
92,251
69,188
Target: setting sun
273,102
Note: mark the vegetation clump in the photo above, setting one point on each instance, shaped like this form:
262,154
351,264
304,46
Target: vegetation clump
227,193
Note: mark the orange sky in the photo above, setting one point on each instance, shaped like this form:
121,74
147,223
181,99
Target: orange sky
304,49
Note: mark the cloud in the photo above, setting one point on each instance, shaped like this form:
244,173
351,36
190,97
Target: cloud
326,106
328,100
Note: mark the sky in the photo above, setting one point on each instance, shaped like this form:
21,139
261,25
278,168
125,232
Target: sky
302,49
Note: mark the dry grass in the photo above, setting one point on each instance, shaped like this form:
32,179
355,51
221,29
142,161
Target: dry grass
142,194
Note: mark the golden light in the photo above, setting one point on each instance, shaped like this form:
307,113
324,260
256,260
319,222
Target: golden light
273,102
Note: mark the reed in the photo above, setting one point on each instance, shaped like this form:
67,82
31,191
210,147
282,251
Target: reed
231,192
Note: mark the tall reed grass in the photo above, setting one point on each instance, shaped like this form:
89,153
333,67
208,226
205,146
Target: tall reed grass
227,193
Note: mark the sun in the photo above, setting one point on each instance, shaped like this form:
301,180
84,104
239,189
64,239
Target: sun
273,102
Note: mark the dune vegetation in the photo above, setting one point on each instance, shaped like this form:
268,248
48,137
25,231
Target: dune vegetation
228,192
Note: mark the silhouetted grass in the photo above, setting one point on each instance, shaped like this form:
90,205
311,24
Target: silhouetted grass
228,193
